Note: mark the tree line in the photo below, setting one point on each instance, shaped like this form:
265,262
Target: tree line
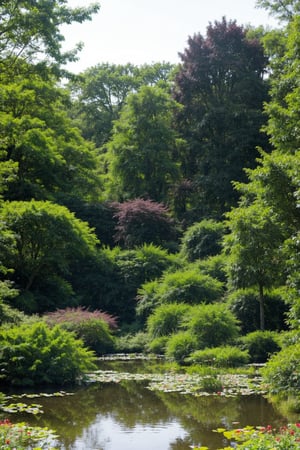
128,187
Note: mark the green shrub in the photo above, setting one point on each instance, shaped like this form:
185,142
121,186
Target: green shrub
93,327
158,345
166,319
244,303
220,357
179,346
183,286
19,436
211,383
262,437
96,335
260,345
282,372
36,354
146,297
202,239
212,325
132,343
215,266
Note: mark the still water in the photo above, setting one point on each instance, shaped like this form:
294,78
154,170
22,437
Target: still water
128,416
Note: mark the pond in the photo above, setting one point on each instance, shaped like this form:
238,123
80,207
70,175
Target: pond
127,415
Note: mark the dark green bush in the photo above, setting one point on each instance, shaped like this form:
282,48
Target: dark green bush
260,345
212,325
282,372
244,303
202,239
166,319
179,346
220,357
36,354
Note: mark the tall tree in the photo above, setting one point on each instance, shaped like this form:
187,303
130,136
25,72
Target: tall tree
220,83
100,92
253,246
53,160
141,153
268,218
284,10
31,29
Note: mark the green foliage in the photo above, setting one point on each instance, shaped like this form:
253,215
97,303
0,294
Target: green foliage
244,303
202,239
261,345
139,266
94,328
47,238
10,315
282,372
21,436
179,346
215,266
284,10
158,345
186,286
141,153
132,343
220,357
253,249
51,159
212,325
101,91
166,319
36,354
31,29
262,438
95,334
211,383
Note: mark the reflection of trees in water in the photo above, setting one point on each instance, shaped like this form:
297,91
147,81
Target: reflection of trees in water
206,410
199,416
130,404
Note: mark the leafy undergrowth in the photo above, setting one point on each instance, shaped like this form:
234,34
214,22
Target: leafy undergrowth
20,436
261,438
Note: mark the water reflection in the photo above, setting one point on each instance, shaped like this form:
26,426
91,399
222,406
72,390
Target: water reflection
128,416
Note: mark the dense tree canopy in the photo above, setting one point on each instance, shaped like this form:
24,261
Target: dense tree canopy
142,152
100,93
51,157
46,238
221,86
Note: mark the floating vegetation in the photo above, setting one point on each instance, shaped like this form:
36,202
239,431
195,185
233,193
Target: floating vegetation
33,408
22,407
129,357
229,384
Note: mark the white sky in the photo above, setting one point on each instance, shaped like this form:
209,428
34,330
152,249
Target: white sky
147,31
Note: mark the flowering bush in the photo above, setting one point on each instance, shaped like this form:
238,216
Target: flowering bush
264,438
19,436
